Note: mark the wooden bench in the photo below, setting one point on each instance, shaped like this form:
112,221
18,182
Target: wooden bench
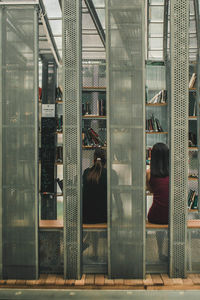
58,224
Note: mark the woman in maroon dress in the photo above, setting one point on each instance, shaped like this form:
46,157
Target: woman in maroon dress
158,184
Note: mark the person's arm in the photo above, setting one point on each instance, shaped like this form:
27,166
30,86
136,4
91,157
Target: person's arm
148,175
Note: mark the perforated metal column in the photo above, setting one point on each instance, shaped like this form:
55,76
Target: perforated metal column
179,23
197,17
126,137
1,148
19,140
72,137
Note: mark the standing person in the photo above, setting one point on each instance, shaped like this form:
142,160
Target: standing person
95,190
157,181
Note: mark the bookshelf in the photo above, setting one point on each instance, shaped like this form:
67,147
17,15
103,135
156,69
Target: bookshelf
93,109
59,152
193,149
156,104
156,109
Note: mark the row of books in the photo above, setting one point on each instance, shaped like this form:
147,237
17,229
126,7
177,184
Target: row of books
59,123
101,108
160,97
192,200
91,138
153,124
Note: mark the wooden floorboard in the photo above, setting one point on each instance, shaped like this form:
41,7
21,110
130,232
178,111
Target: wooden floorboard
100,281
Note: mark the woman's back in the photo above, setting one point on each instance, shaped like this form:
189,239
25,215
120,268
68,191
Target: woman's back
95,198
158,212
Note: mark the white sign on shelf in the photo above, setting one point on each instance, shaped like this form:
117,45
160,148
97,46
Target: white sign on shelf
48,110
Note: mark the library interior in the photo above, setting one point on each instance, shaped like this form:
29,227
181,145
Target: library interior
100,144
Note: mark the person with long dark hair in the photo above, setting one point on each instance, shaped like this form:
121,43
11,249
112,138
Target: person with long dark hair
157,181
95,190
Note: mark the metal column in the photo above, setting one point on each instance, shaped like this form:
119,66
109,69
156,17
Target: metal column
125,46
48,141
72,87
179,63
19,140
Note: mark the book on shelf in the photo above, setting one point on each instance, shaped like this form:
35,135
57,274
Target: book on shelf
59,93
60,183
91,138
192,107
160,97
192,80
148,153
153,125
101,107
192,199
59,123
192,139
59,154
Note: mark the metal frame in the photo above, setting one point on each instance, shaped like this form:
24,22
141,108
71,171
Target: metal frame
197,19
95,18
34,5
36,50
6,3
119,263
49,33
72,97
165,29
179,62
1,175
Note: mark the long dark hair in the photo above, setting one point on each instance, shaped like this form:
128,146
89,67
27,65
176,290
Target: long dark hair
99,162
160,160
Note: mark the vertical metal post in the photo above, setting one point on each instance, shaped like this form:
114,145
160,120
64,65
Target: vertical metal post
19,141
36,85
179,62
72,128
197,15
125,49
1,98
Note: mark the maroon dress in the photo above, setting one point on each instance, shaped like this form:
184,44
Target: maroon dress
158,213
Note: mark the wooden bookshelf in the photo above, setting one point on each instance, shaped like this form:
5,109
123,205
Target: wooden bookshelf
59,163
156,104
193,178
86,117
193,148
94,88
92,147
155,132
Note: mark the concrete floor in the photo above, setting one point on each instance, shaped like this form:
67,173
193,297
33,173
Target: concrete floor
96,294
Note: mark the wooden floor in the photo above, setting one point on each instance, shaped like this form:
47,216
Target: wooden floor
152,282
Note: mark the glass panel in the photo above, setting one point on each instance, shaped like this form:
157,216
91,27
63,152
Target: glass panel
156,13
99,3
19,142
155,43
101,15
56,26
58,41
156,2
156,30
126,141
52,8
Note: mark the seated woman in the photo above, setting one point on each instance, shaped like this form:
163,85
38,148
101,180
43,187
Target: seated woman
95,190
157,181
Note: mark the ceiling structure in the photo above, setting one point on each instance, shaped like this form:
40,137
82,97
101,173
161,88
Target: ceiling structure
93,29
